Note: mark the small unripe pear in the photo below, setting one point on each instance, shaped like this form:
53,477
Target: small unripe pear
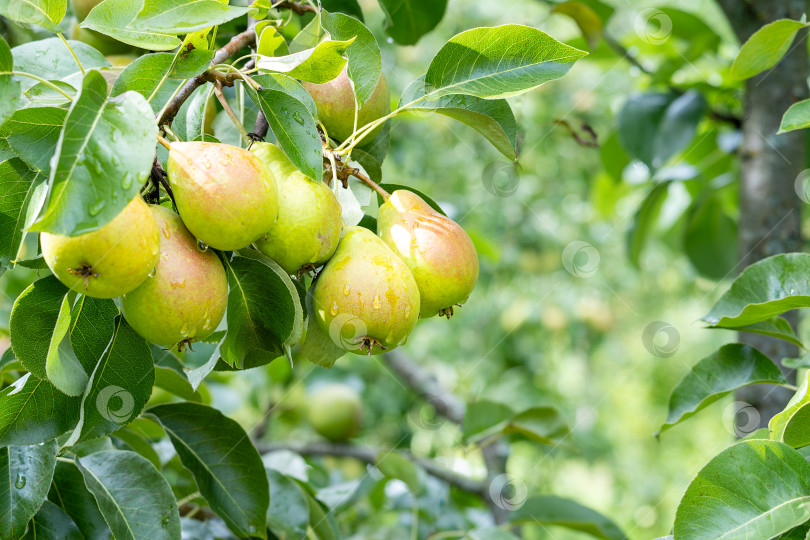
365,298
226,195
186,296
438,251
307,230
82,7
109,261
335,103
335,411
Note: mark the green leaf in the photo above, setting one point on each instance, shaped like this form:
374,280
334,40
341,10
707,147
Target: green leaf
171,381
653,127
294,127
710,239
395,465
9,86
135,441
264,311
271,42
104,154
644,221
544,425
225,464
112,18
52,523
93,326
288,85
588,21
363,55
483,417
764,48
33,411
498,62
20,186
796,117
43,95
69,493
318,65
492,118
120,385
51,60
753,489
408,20
550,510
764,290
790,425
319,347
45,13
349,7
25,474
776,327
134,498
288,513
197,375
62,366
33,134
731,367
184,16
143,76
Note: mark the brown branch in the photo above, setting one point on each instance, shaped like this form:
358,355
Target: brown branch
298,8
236,43
344,172
451,407
371,456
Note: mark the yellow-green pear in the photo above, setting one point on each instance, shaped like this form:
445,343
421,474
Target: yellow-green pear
335,411
185,298
307,230
335,103
227,196
438,251
365,298
109,261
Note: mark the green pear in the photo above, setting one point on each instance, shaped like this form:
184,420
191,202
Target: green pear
335,103
226,195
365,297
109,261
438,251
307,230
335,411
185,298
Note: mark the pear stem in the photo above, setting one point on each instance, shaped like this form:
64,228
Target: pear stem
371,183
166,144
342,172
229,111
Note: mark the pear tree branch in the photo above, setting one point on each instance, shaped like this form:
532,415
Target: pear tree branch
370,455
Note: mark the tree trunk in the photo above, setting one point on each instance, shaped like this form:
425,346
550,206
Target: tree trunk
770,209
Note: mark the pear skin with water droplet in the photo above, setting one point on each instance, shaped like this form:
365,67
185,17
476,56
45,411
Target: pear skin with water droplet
110,261
185,299
226,195
439,253
309,222
335,103
382,304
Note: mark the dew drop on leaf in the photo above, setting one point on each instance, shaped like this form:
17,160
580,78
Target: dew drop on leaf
202,246
297,117
20,482
96,207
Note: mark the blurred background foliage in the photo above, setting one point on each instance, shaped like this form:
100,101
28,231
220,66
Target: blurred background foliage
534,332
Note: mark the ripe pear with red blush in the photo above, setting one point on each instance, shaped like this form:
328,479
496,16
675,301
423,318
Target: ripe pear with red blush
336,105
110,261
226,196
185,299
365,298
307,231
439,253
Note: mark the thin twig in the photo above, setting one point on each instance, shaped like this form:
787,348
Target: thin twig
296,7
371,455
229,111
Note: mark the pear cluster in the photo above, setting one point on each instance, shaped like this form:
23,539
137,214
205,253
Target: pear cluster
368,295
